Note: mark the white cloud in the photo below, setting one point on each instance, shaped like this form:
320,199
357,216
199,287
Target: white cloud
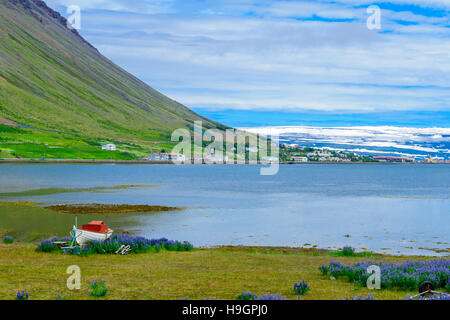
309,9
223,59
140,6
437,4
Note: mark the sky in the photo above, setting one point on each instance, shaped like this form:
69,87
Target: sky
267,63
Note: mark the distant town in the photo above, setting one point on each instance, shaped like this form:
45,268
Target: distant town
293,153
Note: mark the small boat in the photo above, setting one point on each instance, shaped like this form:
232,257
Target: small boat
94,231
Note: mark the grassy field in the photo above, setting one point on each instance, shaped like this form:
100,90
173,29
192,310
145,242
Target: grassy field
222,273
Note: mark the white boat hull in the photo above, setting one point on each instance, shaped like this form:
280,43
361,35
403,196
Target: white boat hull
84,237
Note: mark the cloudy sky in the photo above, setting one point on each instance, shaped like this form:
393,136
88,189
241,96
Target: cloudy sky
250,63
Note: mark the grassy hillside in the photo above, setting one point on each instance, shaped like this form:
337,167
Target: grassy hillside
51,78
37,144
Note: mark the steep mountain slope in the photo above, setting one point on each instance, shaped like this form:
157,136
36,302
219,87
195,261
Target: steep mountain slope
51,78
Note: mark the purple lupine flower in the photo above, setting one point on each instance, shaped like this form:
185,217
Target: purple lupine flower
301,288
22,295
8,240
408,275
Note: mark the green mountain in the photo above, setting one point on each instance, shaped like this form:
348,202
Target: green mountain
69,98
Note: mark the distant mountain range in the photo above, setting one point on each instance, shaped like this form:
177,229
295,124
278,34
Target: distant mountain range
368,140
53,79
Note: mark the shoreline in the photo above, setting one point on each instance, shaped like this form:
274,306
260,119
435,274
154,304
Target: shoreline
147,162
362,254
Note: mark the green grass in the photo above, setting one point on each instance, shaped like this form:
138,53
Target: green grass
220,273
38,144
350,252
98,289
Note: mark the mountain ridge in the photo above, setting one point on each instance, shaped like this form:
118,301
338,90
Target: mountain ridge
52,78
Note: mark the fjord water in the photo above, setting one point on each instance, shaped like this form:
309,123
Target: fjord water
396,209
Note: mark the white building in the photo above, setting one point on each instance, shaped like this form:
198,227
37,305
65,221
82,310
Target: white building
175,157
319,154
299,159
109,147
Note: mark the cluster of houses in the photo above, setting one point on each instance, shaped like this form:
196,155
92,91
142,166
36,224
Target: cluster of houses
327,156
167,157
298,156
178,157
393,159
321,156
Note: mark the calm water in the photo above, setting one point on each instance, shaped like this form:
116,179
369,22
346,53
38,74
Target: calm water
394,209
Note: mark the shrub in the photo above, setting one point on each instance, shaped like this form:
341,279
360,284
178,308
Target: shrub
447,287
8,240
301,288
348,251
22,295
98,289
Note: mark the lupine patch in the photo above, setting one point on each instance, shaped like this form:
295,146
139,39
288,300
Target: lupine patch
8,240
98,288
246,296
136,244
250,296
22,295
47,246
406,276
301,288
369,297
112,245
270,297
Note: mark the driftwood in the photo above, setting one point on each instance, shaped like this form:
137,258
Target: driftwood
123,250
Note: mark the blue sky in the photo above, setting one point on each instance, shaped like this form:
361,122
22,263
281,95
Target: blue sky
250,63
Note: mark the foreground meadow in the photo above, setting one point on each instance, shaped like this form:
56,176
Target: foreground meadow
222,273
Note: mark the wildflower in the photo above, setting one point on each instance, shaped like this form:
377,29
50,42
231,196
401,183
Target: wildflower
22,295
301,288
8,240
98,288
